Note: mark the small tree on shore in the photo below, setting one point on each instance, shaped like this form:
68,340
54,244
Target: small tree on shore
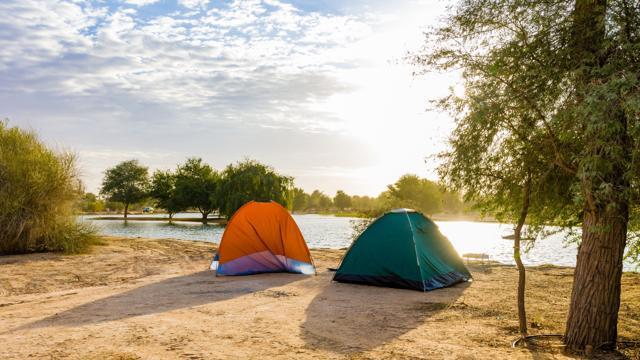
196,186
319,201
414,192
163,190
342,200
127,182
300,200
250,180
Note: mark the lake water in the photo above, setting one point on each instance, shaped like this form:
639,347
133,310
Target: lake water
322,231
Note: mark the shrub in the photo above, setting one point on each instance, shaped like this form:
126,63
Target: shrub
38,190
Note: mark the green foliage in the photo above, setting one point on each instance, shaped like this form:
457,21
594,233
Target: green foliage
546,131
113,206
410,191
163,189
38,191
452,202
91,203
300,200
250,180
127,182
196,186
521,114
342,200
369,206
319,201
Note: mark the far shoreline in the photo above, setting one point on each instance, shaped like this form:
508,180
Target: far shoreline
218,221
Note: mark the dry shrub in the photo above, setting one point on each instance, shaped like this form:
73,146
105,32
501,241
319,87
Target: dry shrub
38,189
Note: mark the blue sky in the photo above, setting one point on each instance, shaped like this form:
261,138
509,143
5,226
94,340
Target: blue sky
316,89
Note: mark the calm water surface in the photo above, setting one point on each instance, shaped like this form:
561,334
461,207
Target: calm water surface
322,231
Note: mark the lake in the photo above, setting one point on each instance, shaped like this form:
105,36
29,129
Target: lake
322,231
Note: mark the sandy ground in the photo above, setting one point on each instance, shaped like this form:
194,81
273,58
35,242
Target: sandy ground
155,299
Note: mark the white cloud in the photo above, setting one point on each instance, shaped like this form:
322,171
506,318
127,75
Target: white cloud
242,50
141,2
193,4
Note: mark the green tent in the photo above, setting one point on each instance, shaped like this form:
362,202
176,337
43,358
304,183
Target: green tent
402,249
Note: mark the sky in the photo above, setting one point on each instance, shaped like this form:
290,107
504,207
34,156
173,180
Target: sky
317,89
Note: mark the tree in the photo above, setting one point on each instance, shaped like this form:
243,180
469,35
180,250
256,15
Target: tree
319,201
250,180
413,192
452,202
300,199
113,206
371,207
502,173
163,189
197,185
342,200
606,64
127,183
568,69
91,203
325,201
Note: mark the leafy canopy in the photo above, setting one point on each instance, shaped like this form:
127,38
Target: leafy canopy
342,200
300,199
126,182
410,191
526,112
163,189
196,186
250,180
319,200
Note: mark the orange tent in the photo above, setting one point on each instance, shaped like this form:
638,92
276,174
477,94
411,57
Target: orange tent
262,237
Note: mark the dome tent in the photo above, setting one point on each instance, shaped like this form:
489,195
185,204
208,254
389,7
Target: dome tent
402,249
262,237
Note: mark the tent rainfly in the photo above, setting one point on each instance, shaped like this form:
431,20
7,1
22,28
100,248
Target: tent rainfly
402,249
262,237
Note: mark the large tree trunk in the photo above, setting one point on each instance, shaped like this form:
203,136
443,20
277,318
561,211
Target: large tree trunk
126,211
205,217
522,312
595,299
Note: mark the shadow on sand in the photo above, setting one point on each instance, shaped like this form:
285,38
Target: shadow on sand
341,314
166,295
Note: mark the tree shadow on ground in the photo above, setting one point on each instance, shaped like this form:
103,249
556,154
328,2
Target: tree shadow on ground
340,314
171,294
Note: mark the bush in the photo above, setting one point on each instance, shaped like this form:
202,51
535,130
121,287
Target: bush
38,190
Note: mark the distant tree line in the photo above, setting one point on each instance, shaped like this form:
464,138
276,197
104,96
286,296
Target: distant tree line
410,191
195,185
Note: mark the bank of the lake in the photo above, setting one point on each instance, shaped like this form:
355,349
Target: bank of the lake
157,218
142,298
